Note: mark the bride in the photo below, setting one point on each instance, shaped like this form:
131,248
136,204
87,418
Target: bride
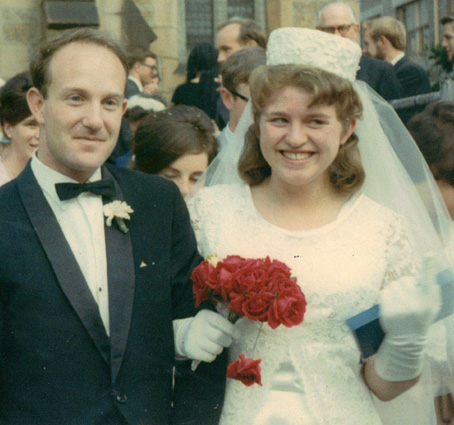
304,200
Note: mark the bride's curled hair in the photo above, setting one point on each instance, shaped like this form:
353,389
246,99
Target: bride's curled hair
347,173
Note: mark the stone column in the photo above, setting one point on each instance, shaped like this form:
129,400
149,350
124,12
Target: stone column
297,13
165,19
109,12
20,31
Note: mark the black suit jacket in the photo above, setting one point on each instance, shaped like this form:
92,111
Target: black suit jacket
380,76
131,88
413,81
412,78
57,364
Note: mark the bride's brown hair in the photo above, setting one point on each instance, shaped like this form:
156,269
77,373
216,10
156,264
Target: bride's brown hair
347,173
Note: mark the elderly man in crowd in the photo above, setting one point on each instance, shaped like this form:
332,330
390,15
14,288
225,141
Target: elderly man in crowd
338,18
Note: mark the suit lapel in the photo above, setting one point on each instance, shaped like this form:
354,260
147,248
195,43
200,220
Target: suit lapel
121,278
62,259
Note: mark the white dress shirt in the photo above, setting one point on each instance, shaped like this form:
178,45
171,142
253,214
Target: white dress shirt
397,58
138,82
82,222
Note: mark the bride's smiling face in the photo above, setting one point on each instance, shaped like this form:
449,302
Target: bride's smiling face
300,141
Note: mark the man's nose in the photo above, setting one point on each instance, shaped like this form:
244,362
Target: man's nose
93,116
221,57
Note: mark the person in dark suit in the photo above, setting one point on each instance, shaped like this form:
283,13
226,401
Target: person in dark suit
234,35
385,39
95,293
338,18
143,67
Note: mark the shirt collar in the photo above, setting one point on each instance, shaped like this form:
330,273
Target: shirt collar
139,84
47,178
397,58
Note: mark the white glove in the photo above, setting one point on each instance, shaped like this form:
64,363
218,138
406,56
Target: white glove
204,336
407,309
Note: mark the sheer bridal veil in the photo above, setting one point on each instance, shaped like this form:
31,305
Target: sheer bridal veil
396,176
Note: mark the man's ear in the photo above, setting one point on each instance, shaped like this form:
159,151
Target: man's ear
383,41
35,100
136,66
227,98
356,28
251,43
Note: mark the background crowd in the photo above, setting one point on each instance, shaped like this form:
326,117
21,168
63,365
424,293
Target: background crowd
217,85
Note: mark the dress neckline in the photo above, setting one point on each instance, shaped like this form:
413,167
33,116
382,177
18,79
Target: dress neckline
347,208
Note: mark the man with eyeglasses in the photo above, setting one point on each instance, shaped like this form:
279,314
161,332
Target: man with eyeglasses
338,18
235,92
143,67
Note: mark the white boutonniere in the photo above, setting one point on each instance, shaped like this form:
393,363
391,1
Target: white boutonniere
118,210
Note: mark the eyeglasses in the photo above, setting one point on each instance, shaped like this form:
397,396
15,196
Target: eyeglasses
153,67
241,96
342,29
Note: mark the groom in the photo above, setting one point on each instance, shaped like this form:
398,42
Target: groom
87,307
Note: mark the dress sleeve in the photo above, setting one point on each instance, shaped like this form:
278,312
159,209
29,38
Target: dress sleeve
400,252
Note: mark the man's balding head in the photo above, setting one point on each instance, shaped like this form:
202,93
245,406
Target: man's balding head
338,18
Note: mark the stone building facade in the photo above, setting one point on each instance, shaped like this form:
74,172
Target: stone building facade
421,19
168,27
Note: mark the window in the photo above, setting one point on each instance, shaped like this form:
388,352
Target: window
415,17
199,22
241,8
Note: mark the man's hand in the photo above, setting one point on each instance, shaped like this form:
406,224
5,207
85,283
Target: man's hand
204,336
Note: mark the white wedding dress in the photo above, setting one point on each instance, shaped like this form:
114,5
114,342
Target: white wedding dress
311,373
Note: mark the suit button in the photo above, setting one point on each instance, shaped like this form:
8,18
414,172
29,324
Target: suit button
122,398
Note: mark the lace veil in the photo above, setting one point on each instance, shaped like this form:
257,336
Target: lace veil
396,176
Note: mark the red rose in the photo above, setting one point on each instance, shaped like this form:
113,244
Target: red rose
205,282
251,277
254,306
287,310
245,370
232,263
277,268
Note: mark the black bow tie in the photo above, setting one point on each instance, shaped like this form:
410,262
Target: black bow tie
67,191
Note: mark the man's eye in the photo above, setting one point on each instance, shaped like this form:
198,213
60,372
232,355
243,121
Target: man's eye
75,98
111,103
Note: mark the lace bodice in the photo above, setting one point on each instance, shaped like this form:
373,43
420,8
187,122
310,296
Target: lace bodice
341,268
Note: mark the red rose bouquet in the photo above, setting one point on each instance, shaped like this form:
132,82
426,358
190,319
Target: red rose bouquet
259,289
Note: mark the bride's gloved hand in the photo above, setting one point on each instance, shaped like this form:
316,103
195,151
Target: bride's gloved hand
204,336
407,309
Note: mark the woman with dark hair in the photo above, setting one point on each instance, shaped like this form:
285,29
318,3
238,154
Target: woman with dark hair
200,88
433,131
19,127
177,143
